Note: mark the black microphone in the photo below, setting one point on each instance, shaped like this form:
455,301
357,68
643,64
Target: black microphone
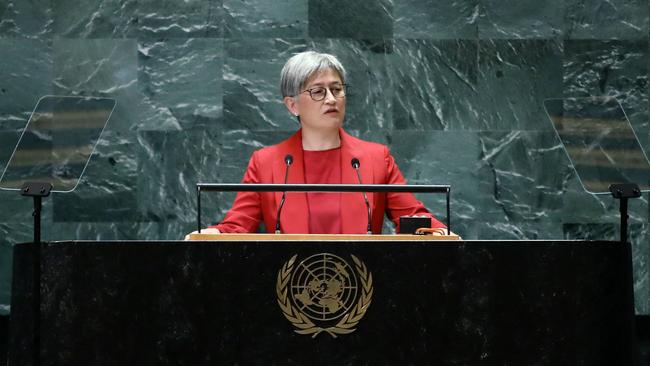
288,160
356,165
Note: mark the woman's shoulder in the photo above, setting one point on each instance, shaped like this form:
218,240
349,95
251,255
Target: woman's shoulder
367,146
271,152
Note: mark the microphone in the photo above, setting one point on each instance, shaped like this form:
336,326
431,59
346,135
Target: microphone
288,160
355,165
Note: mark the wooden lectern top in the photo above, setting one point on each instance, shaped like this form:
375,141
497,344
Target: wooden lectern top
317,237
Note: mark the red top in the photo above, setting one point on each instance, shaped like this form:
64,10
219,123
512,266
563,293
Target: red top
323,167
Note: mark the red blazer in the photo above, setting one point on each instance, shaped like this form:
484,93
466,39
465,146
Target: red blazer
267,165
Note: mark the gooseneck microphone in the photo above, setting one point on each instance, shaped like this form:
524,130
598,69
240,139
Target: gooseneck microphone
356,164
288,160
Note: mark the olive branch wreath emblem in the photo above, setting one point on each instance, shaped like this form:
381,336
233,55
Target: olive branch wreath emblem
299,320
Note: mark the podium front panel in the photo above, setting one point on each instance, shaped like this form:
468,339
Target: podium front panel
218,303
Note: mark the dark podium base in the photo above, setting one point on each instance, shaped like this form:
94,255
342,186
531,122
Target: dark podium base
215,303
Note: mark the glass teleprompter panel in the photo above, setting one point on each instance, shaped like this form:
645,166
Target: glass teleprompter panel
57,142
600,142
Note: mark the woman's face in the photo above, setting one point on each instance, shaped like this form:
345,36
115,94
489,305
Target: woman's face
327,113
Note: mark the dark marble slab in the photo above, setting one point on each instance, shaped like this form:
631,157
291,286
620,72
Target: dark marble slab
522,175
171,163
8,141
180,81
157,19
94,19
641,255
367,64
515,77
25,76
435,85
610,68
524,19
100,67
138,19
432,19
590,231
614,19
265,19
443,157
351,19
252,99
25,18
107,190
533,303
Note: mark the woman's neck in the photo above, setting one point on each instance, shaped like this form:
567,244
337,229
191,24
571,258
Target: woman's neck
320,140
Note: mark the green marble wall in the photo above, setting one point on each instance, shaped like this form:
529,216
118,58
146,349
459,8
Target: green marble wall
454,87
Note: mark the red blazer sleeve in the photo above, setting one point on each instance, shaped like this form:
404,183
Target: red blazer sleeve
246,212
403,204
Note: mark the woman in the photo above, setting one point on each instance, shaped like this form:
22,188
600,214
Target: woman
313,88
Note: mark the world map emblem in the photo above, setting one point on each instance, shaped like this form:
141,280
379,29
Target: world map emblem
324,293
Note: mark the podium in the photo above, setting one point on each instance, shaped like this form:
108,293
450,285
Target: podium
421,302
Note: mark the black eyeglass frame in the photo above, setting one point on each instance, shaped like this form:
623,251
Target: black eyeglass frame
344,88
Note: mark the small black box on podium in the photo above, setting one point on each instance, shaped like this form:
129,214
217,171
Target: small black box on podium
408,224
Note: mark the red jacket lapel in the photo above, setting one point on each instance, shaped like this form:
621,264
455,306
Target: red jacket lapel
295,212
294,216
353,207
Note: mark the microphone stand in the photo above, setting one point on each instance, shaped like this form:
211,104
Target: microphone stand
288,160
355,165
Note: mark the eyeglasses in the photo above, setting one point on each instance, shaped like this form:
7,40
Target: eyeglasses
319,93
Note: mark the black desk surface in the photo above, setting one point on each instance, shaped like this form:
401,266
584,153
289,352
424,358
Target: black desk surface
215,303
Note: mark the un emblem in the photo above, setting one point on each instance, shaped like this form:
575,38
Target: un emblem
323,293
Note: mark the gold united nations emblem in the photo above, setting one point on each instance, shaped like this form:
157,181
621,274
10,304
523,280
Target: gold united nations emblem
323,293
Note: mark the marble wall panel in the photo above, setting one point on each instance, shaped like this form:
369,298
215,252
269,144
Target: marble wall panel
435,85
252,98
107,191
25,76
604,231
351,19
170,18
31,19
100,67
170,164
8,141
180,81
640,234
443,157
523,19
17,209
515,77
522,177
265,19
433,19
367,63
612,68
94,19
613,19
103,67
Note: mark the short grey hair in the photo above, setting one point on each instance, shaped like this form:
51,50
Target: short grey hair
300,67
